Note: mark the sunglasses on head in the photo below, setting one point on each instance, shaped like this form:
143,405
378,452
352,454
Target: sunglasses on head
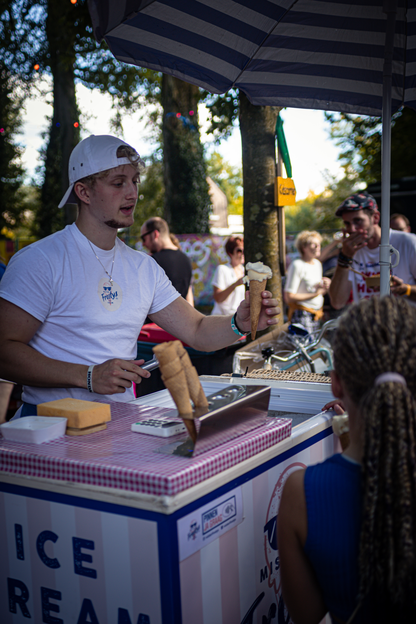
143,236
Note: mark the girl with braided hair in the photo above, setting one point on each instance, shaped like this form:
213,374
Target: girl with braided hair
347,526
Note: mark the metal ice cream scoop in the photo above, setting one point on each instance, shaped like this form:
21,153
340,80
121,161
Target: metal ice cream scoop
150,364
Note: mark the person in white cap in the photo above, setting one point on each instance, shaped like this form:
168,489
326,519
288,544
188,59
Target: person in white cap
72,305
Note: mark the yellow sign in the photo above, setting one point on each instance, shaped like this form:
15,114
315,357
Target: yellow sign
284,192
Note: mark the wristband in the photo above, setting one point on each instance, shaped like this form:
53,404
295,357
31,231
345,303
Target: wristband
343,259
343,265
89,378
234,326
408,290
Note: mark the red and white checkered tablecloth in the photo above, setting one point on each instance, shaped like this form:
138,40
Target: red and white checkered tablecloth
120,458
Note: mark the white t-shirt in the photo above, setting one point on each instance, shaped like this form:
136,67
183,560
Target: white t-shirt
367,261
302,278
60,282
224,276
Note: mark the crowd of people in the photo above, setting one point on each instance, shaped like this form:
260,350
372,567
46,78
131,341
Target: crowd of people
346,527
335,275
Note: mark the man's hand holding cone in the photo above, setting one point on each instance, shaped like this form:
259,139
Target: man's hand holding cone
257,276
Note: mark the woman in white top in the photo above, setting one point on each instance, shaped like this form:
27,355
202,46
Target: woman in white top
227,282
305,286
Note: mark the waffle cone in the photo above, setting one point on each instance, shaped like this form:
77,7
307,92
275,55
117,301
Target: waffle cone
194,386
256,288
170,369
185,359
192,379
180,377
165,352
178,389
180,349
190,425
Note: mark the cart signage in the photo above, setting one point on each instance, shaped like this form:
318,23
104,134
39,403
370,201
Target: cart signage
63,564
206,524
285,192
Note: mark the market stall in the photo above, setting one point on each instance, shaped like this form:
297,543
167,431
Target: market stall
116,527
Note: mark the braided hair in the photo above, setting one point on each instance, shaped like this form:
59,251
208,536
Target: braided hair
379,335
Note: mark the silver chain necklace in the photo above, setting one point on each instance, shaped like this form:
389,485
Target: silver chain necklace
112,265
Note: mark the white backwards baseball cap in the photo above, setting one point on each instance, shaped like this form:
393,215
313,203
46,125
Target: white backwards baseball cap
92,155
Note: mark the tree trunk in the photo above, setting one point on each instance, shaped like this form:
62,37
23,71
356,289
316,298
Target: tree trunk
257,125
63,135
187,202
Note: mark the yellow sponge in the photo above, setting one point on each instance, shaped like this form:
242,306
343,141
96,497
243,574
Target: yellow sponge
80,414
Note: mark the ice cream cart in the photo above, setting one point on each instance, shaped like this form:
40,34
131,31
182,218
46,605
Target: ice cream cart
113,528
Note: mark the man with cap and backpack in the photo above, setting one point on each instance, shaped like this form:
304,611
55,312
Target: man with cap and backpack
72,304
359,257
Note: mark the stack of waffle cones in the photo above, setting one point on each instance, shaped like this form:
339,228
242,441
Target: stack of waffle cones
181,379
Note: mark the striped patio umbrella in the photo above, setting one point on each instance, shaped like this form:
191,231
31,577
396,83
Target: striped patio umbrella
356,57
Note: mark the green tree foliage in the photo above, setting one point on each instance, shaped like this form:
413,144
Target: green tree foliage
317,212
18,35
151,194
21,38
72,55
65,50
229,179
152,191
224,111
55,40
187,202
11,170
360,140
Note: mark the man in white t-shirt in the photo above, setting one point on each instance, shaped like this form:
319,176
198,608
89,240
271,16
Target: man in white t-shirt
72,305
360,254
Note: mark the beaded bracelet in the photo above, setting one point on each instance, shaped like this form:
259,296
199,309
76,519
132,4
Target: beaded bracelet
235,328
89,378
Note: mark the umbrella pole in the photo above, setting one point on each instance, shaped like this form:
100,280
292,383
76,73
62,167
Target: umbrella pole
390,9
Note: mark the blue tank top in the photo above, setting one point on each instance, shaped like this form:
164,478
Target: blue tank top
333,500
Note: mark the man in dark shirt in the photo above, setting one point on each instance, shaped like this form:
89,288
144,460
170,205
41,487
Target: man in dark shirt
156,238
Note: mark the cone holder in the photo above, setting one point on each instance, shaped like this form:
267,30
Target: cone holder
231,412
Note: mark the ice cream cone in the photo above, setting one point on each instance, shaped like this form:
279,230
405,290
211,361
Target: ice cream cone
341,428
256,288
344,438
